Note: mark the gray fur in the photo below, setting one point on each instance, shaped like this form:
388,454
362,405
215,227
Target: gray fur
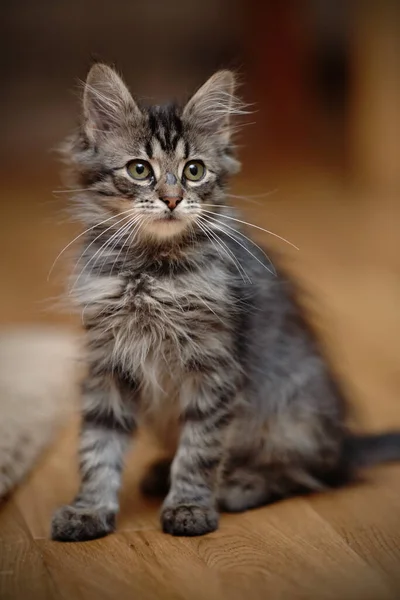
189,330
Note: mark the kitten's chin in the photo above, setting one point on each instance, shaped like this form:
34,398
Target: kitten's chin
165,228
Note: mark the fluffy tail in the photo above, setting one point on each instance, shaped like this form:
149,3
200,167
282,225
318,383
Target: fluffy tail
368,450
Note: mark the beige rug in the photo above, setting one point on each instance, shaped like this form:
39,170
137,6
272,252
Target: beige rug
38,392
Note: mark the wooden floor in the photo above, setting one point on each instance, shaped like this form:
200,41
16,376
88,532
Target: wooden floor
342,545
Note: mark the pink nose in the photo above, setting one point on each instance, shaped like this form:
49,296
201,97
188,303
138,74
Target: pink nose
171,201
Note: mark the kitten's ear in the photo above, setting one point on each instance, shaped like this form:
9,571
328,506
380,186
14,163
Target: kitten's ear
214,104
107,101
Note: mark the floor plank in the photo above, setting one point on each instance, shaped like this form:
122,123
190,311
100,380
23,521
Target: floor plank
23,573
367,517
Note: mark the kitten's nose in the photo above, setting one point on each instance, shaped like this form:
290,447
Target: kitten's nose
171,201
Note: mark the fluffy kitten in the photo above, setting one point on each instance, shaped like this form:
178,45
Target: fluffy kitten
188,327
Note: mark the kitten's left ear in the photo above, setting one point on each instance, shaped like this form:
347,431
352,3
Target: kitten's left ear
107,102
214,104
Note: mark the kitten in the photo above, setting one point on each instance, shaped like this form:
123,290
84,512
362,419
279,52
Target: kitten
188,328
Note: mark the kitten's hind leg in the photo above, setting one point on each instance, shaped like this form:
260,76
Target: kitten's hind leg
242,491
294,455
242,484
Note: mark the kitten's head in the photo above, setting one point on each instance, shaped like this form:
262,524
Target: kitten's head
154,167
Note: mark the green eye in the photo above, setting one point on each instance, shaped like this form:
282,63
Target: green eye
194,170
139,169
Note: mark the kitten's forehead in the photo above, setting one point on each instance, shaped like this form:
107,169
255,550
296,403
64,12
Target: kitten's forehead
171,139
162,136
156,152
159,135
166,130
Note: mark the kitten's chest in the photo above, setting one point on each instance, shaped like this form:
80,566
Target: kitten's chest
161,308
159,323
152,329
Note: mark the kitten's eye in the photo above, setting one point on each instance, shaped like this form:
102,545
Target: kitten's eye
139,169
194,170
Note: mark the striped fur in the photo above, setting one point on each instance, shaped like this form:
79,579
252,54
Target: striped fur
188,329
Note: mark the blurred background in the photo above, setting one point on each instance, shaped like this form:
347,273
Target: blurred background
321,168
320,156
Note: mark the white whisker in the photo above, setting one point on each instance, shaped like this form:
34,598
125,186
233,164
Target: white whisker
77,238
246,238
86,248
72,191
262,195
221,228
206,305
98,252
224,247
131,236
255,226
124,230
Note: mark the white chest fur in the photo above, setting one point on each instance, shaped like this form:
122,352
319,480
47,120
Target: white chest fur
152,326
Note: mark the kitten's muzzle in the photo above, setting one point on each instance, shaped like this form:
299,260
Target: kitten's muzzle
171,201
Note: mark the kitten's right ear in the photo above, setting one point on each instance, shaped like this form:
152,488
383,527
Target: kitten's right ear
107,102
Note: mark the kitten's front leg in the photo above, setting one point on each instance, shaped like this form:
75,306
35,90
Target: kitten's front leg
107,424
208,405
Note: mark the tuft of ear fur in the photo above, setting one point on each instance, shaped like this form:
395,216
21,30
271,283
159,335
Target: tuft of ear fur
214,104
106,101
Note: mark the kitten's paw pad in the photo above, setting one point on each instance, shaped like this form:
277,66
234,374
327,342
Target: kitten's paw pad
188,519
156,480
71,524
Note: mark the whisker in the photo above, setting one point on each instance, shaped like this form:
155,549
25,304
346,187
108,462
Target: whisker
255,226
224,247
99,251
221,228
244,199
77,238
72,191
144,220
208,236
206,305
246,238
225,205
127,241
131,236
127,231
126,216
124,229
251,196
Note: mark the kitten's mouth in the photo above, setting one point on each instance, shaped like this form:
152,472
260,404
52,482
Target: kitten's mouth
168,217
166,225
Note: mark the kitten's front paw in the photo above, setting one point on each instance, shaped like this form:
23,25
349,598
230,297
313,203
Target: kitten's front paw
188,519
71,524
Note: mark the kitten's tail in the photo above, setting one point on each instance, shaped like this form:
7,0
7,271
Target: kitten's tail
368,450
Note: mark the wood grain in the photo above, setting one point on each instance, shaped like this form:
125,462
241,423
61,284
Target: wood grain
344,544
23,572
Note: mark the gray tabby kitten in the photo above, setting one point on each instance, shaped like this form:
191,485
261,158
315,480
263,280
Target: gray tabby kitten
188,328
